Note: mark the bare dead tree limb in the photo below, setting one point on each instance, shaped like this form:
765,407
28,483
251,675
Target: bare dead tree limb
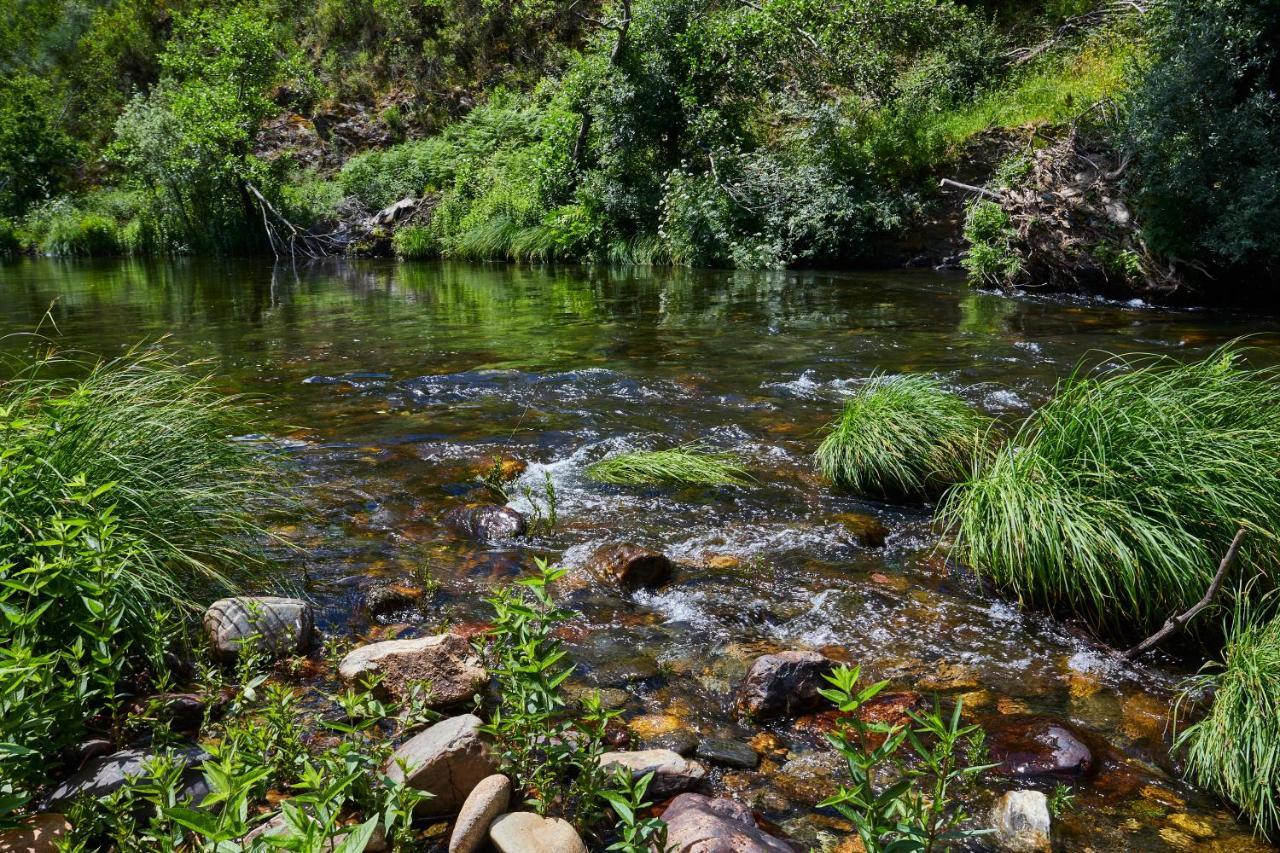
947,182
1177,623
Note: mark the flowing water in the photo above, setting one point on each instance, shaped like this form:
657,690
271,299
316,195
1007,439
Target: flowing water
393,386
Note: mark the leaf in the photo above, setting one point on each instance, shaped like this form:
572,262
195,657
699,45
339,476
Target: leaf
357,839
199,821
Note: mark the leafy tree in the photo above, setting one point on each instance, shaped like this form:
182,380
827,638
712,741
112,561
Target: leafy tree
35,153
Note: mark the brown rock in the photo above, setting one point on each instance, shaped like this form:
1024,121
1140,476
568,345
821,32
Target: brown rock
699,824
629,567
447,760
784,684
526,832
1037,746
672,773
40,834
445,661
866,530
486,801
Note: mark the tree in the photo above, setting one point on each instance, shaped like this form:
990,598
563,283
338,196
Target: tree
35,153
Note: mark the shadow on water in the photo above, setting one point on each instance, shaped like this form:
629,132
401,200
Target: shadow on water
398,383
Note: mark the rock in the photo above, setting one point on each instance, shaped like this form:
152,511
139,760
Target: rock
445,660
526,832
91,749
699,824
784,684
278,626
681,742
185,710
629,567
1037,746
672,774
486,522
390,597
393,213
448,760
43,833
730,753
101,776
866,530
486,801
1021,821
812,777
377,842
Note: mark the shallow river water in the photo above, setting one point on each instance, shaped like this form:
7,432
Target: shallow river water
392,385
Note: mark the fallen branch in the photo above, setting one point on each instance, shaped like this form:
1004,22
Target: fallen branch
1176,623
947,182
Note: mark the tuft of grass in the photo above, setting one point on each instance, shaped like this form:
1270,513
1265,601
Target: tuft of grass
1116,500
690,464
414,242
1235,750
903,437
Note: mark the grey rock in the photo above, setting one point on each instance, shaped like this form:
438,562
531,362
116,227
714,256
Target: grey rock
672,774
784,684
447,760
1022,822
277,626
393,213
526,832
446,661
629,567
486,522
730,753
682,742
106,774
698,824
377,842
484,804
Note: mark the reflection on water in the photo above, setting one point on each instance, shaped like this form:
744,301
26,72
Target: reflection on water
397,383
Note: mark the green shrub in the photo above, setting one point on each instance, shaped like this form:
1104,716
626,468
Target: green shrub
77,233
10,242
381,178
1235,750
903,437
414,242
991,258
687,465
1115,501
36,154
1205,125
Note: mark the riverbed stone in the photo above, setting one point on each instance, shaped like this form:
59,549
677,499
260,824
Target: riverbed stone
42,833
392,596
672,773
1021,822
277,825
866,530
108,773
629,567
1027,747
447,760
681,742
277,626
784,684
486,522
700,824
812,777
486,801
446,662
526,832
728,753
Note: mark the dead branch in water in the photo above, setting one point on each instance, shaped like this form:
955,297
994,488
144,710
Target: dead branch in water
1177,623
287,238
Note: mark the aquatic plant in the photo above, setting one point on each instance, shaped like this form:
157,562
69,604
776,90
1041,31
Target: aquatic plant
689,464
1235,749
903,436
1115,501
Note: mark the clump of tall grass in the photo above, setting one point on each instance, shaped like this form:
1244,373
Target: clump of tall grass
903,437
689,464
1235,749
1116,500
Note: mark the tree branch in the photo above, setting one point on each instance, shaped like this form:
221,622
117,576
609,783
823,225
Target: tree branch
947,182
1177,623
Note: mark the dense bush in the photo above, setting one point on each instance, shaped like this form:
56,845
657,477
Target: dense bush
1206,132
36,155
1116,500
991,257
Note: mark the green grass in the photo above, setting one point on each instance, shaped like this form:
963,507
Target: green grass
689,464
902,437
1235,750
1116,500
414,242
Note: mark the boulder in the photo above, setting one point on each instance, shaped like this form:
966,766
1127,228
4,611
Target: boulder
486,801
672,774
729,753
392,214
1021,821
43,833
446,661
629,567
184,710
698,824
784,684
681,742
106,774
1037,746
486,522
447,760
377,842
277,626
526,832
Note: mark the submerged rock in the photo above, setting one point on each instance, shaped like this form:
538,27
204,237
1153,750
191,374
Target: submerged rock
107,774
672,774
1038,746
1021,821
629,567
486,801
390,597
729,753
447,760
445,662
486,522
866,530
812,777
699,824
276,626
526,832
784,684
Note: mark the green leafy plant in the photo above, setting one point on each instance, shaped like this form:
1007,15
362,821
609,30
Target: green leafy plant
903,436
690,464
992,257
627,799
